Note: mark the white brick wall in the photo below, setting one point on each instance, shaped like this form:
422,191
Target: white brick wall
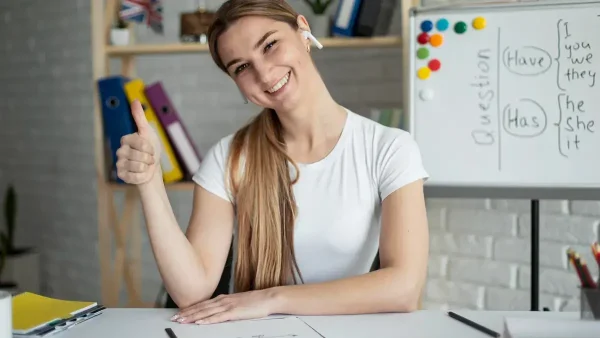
481,252
479,247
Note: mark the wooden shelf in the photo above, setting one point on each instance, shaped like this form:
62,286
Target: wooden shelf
182,48
182,186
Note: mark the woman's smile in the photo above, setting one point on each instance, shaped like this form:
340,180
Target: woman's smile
281,86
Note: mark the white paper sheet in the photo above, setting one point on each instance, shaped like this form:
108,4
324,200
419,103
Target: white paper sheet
283,327
520,327
5,314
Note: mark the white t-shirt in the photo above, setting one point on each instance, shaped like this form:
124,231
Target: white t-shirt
339,197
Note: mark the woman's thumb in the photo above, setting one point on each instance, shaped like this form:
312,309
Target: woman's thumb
139,117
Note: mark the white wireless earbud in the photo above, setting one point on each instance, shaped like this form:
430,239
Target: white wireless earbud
308,35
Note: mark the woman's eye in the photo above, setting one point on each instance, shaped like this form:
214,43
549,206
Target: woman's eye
270,44
240,68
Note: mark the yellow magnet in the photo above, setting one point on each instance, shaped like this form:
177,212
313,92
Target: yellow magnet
479,23
423,73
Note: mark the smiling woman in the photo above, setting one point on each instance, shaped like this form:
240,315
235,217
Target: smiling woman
310,190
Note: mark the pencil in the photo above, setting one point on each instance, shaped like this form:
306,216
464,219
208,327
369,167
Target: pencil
571,257
473,324
588,276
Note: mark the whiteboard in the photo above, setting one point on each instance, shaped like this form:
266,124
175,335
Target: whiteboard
513,104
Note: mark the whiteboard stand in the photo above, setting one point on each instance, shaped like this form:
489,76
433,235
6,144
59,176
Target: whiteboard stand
535,255
503,102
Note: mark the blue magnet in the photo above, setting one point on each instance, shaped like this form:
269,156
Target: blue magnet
426,26
442,25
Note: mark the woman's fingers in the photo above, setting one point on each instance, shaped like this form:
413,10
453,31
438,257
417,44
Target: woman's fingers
132,166
137,142
135,159
204,313
131,154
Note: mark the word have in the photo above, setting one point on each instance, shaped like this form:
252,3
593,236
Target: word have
579,53
526,60
485,94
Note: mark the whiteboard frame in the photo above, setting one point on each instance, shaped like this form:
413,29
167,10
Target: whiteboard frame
491,191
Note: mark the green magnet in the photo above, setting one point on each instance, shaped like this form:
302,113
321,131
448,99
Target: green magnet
422,53
460,27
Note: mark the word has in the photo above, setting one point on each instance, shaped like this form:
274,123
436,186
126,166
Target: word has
525,118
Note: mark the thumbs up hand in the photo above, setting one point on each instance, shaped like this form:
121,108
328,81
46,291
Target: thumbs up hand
138,158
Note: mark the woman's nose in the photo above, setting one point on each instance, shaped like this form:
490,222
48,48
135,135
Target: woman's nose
263,74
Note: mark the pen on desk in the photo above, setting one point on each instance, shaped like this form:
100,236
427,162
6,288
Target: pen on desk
170,333
473,324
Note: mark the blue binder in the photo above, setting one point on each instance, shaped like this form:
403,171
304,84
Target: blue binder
117,118
345,18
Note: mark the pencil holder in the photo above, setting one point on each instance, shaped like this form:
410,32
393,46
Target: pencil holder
590,303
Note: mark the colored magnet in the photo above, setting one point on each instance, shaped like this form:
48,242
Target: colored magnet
426,26
423,73
423,38
434,64
423,53
436,40
426,94
460,27
479,23
442,25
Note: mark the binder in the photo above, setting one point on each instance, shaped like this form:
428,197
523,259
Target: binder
184,146
374,17
345,18
38,316
172,172
367,18
116,116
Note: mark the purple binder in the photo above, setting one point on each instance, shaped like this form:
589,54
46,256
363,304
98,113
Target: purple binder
173,125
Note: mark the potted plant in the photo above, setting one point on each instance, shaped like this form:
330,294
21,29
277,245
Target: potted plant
319,22
119,34
19,265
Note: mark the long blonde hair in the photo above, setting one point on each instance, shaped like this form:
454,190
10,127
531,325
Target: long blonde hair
266,208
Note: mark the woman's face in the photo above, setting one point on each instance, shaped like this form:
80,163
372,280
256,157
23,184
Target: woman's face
268,60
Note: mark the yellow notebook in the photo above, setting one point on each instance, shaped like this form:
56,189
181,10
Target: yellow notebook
32,311
171,169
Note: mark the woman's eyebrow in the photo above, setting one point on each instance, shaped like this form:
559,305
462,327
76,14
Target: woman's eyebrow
257,45
264,37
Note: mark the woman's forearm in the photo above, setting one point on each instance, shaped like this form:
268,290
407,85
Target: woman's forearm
179,265
384,290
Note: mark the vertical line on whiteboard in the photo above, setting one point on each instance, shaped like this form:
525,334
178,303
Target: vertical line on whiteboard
498,102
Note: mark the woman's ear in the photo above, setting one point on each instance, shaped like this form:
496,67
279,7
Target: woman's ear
302,23
304,30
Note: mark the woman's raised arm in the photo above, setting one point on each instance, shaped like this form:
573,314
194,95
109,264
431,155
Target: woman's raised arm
190,264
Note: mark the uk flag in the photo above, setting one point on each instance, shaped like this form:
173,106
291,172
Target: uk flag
148,11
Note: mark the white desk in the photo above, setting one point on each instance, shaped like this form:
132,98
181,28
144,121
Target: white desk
150,323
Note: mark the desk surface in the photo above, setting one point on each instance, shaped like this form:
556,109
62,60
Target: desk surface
150,323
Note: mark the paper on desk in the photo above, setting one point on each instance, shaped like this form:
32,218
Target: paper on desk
519,327
282,327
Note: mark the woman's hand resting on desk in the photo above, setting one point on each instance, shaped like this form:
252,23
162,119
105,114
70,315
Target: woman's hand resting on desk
244,305
139,154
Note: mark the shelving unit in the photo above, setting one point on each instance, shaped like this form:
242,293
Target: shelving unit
117,264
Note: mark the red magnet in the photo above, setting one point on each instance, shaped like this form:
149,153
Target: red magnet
423,38
434,64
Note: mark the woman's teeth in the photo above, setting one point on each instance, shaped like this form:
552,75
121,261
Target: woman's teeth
280,84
